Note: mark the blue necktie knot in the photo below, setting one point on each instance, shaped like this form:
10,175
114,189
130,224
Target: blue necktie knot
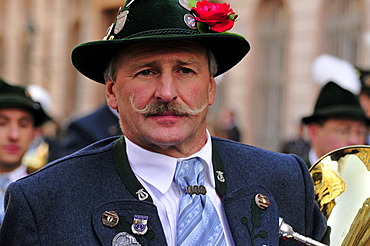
189,172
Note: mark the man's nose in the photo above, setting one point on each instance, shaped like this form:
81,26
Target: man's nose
166,89
14,132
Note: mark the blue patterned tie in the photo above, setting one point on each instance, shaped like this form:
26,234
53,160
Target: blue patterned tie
198,223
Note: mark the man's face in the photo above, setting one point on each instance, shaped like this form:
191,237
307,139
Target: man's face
180,77
16,133
336,133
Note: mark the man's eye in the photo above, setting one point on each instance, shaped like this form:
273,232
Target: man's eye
186,70
25,123
145,72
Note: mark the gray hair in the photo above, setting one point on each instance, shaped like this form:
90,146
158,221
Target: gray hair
111,70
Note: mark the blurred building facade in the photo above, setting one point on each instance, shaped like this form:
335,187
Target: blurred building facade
269,91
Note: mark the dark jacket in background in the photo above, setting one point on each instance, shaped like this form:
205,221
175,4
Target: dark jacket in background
88,129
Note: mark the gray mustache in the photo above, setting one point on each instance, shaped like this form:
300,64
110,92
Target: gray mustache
159,108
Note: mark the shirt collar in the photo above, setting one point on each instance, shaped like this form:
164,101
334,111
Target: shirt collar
158,170
17,173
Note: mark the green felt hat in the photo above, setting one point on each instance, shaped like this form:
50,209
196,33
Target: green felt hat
336,102
156,20
12,96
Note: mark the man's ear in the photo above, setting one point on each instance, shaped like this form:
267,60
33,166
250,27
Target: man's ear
312,130
110,94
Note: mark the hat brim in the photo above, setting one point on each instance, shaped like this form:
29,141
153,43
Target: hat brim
339,113
92,58
34,108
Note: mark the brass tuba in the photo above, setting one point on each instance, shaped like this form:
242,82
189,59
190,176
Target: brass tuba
342,190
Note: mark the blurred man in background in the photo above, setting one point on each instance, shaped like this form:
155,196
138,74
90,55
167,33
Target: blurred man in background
338,120
85,130
365,90
228,125
20,116
298,145
364,95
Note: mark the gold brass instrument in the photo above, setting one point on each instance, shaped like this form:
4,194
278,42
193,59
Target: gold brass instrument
342,190
36,158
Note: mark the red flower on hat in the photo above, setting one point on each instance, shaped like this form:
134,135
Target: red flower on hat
218,16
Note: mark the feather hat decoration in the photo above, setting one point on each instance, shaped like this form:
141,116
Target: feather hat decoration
326,68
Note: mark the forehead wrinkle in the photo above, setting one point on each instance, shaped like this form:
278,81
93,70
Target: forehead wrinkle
177,61
187,61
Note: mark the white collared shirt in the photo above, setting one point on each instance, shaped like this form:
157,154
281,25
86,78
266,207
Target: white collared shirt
156,171
18,173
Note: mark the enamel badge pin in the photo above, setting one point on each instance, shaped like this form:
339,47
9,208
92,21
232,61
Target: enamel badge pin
220,176
121,20
185,4
142,195
190,21
139,225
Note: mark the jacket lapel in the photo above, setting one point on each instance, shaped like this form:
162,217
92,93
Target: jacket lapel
249,223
